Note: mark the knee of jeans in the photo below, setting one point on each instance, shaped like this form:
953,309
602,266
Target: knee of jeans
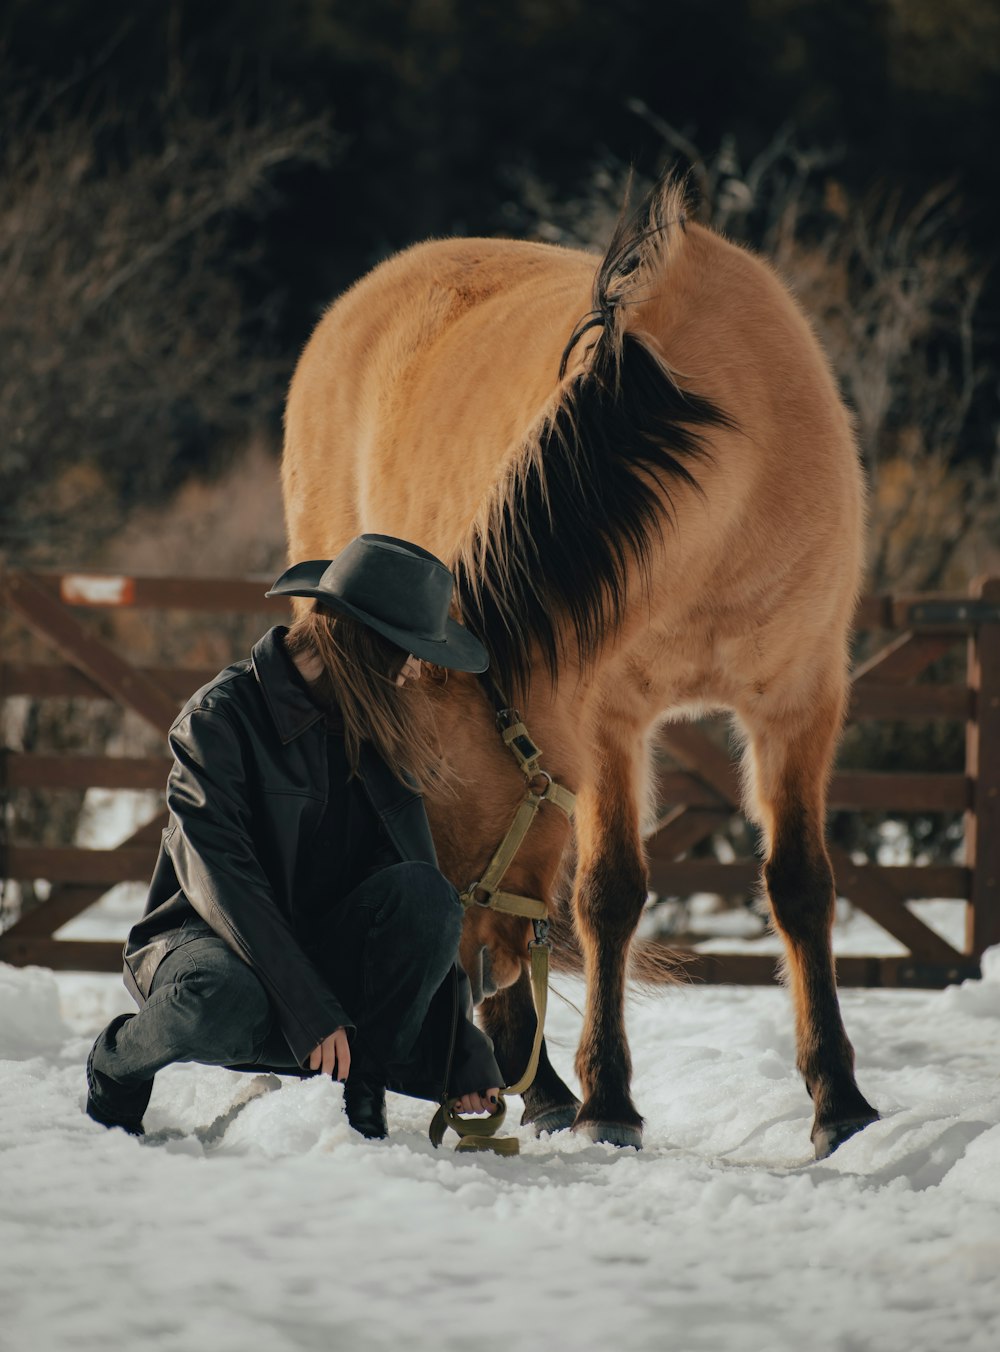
231,1009
425,899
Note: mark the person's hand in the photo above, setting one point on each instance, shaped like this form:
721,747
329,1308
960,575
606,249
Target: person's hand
486,1102
332,1056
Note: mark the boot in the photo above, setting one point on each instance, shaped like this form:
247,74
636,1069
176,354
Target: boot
364,1102
110,1103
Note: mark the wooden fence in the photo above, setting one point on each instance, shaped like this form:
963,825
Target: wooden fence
700,796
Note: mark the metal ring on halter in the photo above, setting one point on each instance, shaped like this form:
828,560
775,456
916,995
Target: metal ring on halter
539,774
471,891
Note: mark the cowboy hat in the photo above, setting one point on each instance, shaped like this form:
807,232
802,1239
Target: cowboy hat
396,588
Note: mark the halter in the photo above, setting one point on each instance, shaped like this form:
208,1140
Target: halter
540,787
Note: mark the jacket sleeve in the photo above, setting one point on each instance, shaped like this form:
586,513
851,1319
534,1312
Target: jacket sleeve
212,849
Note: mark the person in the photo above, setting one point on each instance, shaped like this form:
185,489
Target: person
296,919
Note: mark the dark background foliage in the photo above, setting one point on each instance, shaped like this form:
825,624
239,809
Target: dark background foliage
301,142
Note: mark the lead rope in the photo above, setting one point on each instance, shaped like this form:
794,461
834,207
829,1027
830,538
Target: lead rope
480,1133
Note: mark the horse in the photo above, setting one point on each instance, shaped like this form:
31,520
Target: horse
642,474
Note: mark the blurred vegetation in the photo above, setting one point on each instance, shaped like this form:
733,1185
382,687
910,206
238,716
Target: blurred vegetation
185,187
134,350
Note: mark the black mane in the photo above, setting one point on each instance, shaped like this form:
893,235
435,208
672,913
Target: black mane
596,495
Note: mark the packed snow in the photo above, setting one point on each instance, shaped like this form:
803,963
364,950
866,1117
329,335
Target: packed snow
252,1218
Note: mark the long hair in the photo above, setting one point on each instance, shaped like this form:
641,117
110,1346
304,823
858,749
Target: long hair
548,560
355,683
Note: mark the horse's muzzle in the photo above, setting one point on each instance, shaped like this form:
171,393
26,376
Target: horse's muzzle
481,976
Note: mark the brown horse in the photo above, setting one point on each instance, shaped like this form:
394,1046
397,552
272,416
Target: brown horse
644,477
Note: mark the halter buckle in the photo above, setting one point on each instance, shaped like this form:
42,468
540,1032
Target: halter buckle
541,928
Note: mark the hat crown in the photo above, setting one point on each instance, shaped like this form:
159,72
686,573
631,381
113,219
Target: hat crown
396,588
396,582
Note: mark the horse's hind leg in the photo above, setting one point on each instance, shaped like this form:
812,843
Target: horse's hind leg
609,897
790,759
509,1019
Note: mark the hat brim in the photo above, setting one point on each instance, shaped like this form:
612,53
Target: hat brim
459,650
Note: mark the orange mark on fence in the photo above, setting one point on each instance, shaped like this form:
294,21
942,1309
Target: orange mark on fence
88,589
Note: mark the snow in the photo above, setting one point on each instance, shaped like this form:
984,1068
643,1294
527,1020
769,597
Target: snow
739,930
251,1217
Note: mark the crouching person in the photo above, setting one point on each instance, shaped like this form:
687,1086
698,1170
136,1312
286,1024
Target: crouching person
296,920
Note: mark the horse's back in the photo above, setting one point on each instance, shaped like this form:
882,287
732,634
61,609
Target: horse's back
426,380
418,382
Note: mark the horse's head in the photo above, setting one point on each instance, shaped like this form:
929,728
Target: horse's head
473,810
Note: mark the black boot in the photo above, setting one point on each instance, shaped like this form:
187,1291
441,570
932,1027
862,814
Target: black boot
110,1103
364,1102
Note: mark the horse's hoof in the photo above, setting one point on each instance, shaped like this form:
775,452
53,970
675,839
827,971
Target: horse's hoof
610,1133
553,1119
828,1138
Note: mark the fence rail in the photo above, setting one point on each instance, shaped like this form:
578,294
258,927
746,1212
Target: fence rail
698,796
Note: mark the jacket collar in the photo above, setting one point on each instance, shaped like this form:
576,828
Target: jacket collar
284,690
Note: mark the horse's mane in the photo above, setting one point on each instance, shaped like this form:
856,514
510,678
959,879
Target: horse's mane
590,491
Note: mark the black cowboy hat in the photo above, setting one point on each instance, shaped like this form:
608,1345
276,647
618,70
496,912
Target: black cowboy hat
396,588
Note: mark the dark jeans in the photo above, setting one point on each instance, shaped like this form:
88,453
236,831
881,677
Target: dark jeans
387,950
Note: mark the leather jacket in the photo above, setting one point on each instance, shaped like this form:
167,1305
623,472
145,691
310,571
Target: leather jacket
247,789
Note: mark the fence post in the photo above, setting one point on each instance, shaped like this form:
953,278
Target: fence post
982,760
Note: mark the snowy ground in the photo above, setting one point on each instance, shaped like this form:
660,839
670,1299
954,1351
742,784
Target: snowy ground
272,1226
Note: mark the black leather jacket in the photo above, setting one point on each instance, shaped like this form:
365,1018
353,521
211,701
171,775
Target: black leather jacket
247,790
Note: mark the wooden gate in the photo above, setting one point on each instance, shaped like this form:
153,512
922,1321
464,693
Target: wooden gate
699,795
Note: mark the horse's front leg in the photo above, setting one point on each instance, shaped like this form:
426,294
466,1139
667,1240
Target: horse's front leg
609,897
509,1019
791,755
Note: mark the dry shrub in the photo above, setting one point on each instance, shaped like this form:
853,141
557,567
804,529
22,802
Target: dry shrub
130,353
228,526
